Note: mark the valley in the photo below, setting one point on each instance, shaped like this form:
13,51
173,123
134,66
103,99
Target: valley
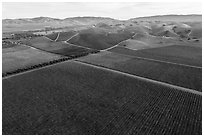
102,76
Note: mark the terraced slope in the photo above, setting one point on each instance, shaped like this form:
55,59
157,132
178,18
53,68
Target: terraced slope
71,98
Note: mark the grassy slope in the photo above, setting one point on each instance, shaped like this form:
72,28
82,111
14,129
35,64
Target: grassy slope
99,40
8,45
52,36
134,44
155,29
70,98
146,42
179,54
173,74
196,33
20,27
196,29
14,49
12,60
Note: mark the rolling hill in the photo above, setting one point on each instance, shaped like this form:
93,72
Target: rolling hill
10,25
99,39
176,18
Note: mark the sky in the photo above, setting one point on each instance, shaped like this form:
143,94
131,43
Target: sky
114,10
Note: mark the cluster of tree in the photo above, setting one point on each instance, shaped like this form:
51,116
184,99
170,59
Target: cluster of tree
118,24
197,40
94,51
84,53
7,43
194,38
5,38
25,35
48,63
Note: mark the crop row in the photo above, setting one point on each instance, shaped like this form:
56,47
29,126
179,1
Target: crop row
177,54
172,74
71,98
63,36
47,63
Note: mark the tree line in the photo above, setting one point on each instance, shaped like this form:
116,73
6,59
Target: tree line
20,70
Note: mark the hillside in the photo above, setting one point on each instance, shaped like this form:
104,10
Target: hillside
10,25
99,39
101,76
176,18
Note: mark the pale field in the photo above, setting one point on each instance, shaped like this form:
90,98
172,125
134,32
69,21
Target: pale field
14,58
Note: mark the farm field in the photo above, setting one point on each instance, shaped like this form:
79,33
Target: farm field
14,49
70,98
52,36
60,48
22,57
71,50
48,46
96,39
39,42
178,54
101,75
173,74
64,36
20,27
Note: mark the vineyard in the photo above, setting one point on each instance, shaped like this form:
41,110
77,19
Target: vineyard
169,73
64,36
69,98
23,57
178,54
60,48
102,76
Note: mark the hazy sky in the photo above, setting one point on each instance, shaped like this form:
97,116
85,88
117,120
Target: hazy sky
113,10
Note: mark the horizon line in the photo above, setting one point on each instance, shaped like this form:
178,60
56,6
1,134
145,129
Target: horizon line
103,17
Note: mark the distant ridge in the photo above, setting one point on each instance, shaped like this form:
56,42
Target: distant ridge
172,17
49,19
156,17
10,25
